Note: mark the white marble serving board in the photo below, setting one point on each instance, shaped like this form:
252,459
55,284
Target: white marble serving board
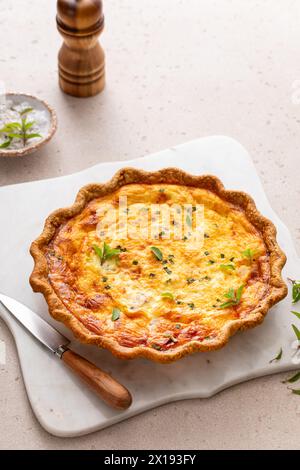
62,404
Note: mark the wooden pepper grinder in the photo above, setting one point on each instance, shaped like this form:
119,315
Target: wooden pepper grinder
81,58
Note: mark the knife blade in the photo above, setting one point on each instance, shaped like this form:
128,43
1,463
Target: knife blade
111,391
39,328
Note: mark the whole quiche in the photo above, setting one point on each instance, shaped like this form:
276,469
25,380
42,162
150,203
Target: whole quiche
158,264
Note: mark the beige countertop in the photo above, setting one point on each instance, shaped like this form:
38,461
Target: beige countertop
176,70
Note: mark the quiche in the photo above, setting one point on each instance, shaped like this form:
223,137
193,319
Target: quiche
158,264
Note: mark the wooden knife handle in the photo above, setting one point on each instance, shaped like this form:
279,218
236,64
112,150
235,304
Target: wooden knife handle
111,391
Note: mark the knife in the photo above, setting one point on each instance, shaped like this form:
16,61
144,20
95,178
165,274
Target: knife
111,391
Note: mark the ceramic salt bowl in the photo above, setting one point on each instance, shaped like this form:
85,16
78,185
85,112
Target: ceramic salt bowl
49,125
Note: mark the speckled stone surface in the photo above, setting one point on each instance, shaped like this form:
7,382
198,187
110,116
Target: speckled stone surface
176,70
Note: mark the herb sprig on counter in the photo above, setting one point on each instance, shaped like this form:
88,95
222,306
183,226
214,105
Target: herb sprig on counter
295,290
277,357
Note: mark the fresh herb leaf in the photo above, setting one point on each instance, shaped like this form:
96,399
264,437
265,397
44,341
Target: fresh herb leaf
296,331
295,290
249,254
239,293
98,251
10,126
6,144
296,313
228,267
115,314
278,357
234,297
230,294
157,253
17,130
293,379
106,252
32,136
295,391
227,304
168,295
25,111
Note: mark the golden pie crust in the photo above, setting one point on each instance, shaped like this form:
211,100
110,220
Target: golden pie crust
170,307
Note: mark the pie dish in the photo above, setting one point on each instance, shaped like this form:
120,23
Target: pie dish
158,293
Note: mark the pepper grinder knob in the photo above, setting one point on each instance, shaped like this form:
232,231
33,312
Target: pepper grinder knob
81,58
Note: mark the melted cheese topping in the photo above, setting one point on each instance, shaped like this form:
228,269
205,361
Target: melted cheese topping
161,303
